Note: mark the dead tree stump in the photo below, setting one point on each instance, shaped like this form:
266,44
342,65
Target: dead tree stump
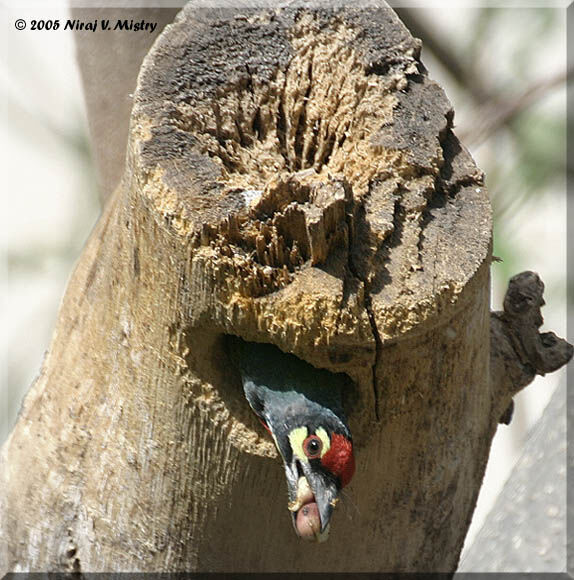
292,178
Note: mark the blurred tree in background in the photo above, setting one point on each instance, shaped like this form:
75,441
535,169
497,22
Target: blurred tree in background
505,71
509,97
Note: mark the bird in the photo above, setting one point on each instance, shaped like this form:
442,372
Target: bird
301,407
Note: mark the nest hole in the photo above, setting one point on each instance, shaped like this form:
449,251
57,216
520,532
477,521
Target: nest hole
219,391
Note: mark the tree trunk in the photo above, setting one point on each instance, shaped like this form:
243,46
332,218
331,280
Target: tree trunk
109,67
293,178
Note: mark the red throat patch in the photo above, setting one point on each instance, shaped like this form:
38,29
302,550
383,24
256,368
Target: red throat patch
339,460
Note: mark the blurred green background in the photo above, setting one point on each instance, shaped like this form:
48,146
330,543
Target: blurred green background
505,71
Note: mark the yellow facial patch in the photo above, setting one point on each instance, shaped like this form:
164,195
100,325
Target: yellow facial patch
322,434
298,436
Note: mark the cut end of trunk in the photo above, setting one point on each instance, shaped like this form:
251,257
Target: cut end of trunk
309,165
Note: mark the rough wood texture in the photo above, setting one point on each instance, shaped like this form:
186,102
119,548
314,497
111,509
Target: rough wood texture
292,177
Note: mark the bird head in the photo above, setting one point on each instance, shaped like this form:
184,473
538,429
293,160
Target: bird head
300,406
319,462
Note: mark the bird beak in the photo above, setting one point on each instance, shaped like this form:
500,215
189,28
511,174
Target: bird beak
312,499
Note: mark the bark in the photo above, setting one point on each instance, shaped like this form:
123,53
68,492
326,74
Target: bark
519,351
292,177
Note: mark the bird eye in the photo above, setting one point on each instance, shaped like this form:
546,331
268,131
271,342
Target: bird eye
312,447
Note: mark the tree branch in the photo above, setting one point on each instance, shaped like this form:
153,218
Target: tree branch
502,112
519,351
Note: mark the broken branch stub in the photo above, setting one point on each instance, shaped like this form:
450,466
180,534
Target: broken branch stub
519,351
308,166
312,170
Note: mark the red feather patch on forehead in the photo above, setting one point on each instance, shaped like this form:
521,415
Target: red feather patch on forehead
339,460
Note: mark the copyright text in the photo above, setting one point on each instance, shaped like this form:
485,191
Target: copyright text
88,25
